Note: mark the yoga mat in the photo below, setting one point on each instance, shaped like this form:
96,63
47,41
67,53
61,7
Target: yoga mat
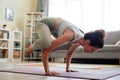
82,74
80,66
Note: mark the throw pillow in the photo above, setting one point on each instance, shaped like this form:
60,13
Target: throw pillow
118,43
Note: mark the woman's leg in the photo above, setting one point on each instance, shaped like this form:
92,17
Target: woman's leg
44,41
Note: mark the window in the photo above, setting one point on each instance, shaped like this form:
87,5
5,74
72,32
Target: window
88,14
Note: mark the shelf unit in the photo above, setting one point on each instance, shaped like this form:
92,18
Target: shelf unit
30,34
4,45
16,46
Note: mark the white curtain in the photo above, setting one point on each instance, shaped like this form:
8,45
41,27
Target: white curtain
88,14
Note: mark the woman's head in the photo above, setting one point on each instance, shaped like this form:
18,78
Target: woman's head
94,40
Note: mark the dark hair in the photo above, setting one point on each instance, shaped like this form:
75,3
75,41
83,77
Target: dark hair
96,38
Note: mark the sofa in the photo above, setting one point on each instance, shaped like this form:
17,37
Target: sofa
111,49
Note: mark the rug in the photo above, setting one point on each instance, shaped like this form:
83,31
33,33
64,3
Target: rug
82,74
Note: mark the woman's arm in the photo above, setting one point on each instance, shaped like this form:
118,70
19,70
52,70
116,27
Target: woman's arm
70,52
66,37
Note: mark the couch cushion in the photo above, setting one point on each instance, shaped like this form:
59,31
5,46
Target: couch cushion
112,48
112,37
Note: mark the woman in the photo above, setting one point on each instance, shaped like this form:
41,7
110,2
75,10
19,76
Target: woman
64,32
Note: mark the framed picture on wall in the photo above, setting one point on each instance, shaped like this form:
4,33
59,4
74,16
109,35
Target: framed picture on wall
9,14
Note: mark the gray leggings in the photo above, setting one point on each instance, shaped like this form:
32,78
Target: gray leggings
45,39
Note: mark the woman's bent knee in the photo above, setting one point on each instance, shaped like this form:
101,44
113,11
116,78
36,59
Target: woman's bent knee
45,39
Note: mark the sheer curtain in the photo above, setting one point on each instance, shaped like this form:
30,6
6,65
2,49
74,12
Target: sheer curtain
88,14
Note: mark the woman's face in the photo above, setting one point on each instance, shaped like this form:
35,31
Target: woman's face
88,48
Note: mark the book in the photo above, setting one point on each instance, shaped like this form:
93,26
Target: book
5,53
5,35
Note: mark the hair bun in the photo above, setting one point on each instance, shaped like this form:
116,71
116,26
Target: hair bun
100,33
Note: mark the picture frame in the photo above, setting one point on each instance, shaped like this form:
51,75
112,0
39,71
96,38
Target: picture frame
9,14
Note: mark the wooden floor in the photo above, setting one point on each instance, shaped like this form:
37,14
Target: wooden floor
16,76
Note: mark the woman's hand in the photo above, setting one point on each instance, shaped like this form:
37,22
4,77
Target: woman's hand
71,71
52,74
